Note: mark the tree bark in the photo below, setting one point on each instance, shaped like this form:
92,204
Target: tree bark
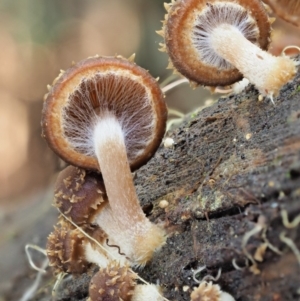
233,168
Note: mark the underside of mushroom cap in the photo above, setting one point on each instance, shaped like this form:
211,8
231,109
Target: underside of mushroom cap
187,29
92,88
288,10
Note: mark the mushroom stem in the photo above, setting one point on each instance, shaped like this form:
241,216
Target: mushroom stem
139,237
267,72
112,157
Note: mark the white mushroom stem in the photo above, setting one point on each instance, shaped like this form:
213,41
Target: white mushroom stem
226,297
101,257
267,72
136,236
112,157
148,292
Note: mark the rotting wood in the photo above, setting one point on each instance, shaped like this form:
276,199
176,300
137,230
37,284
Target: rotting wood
232,164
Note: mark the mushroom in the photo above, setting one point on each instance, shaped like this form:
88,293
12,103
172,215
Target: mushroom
288,10
108,114
79,194
113,283
206,291
117,283
65,252
70,251
216,43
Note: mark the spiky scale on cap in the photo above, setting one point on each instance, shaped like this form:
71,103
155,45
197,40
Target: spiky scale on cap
160,32
65,251
79,194
61,72
114,283
132,58
167,6
45,96
162,47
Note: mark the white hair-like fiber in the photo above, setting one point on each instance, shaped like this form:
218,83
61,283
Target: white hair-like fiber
109,94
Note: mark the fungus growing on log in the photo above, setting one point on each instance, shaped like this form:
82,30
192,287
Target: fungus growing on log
216,43
108,114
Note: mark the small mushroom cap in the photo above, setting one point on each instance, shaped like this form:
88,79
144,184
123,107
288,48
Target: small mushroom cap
113,283
65,250
79,194
90,89
288,10
188,21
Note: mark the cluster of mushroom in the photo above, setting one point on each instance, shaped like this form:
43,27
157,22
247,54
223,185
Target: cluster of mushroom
106,116
218,42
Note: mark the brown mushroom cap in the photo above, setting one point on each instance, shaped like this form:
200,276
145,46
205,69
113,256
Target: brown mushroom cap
92,87
186,18
288,10
113,283
69,250
79,194
65,251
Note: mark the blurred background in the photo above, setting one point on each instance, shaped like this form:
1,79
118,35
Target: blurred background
37,39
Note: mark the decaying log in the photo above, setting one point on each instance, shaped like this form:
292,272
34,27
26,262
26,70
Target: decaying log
233,168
